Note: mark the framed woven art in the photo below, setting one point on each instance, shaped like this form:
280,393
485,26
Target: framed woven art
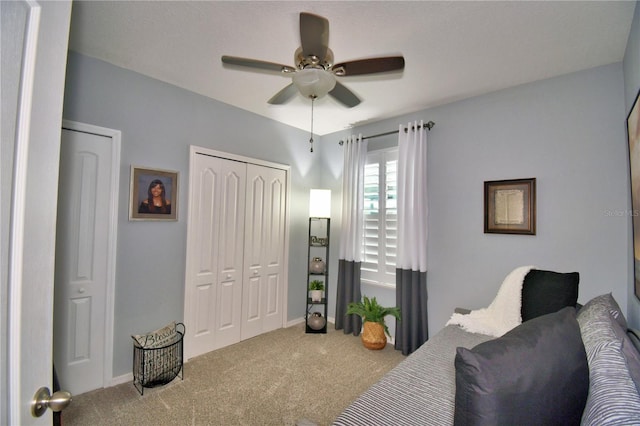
510,206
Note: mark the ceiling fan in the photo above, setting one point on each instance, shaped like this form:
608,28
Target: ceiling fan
314,74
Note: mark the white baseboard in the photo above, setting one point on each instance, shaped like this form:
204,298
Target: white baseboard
297,321
294,322
125,378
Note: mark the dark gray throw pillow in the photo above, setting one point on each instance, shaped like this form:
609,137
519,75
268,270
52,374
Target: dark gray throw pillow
536,374
544,292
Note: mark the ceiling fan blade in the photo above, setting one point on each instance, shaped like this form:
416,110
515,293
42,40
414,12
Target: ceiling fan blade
314,35
344,95
284,95
369,66
254,63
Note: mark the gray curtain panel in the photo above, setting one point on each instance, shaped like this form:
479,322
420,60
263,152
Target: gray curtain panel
411,298
348,291
411,260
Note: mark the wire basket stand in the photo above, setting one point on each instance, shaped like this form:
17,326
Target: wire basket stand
158,366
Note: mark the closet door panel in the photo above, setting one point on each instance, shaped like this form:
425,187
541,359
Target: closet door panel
204,304
254,246
272,304
235,252
225,312
275,215
275,212
202,262
232,221
264,247
255,226
253,300
230,252
207,196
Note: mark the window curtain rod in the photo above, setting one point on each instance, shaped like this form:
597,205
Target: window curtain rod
428,125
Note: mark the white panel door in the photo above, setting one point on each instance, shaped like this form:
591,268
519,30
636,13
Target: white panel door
236,250
214,260
202,265
228,308
273,256
254,243
262,308
34,51
82,250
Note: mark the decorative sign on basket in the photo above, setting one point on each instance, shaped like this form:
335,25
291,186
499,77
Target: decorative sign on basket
158,338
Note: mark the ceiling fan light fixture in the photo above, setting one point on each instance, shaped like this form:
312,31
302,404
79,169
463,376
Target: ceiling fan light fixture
314,82
314,74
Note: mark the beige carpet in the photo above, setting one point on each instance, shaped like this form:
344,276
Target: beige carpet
280,378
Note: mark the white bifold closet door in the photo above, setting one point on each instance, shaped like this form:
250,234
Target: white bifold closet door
235,253
263,251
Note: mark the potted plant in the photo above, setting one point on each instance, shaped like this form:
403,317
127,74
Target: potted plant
373,325
316,287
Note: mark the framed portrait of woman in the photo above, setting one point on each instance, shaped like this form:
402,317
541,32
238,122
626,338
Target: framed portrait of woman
154,194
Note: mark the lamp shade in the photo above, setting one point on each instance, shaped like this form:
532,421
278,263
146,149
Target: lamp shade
314,82
320,203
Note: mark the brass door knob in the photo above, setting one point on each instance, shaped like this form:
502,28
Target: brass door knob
43,400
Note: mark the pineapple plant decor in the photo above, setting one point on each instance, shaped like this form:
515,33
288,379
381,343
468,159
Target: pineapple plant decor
373,325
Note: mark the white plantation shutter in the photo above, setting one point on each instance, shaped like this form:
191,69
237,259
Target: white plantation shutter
380,218
371,209
391,213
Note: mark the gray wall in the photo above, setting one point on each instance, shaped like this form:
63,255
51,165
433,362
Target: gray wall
568,132
631,87
158,123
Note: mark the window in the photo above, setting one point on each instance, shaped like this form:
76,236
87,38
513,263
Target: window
380,218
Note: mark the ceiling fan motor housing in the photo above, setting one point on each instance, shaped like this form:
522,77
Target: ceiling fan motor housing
314,82
312,60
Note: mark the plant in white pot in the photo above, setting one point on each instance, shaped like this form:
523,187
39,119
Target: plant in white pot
316,287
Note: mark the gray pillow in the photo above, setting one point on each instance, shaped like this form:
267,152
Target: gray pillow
629,352
609,303
613,396
535,374
544,292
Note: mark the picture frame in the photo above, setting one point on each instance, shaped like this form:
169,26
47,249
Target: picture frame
145,184
510,206
633,137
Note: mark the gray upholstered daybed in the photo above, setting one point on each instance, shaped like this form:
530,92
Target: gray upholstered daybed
574,365
420,390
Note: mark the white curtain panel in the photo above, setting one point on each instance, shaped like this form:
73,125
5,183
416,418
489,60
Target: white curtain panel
412,198
355,158
350,255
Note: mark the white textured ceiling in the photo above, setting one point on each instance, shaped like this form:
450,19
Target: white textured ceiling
453,49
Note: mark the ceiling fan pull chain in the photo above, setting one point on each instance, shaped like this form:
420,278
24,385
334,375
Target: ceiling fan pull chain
311,138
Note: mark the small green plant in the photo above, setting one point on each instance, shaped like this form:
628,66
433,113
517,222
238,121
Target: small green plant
371,310
316,285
